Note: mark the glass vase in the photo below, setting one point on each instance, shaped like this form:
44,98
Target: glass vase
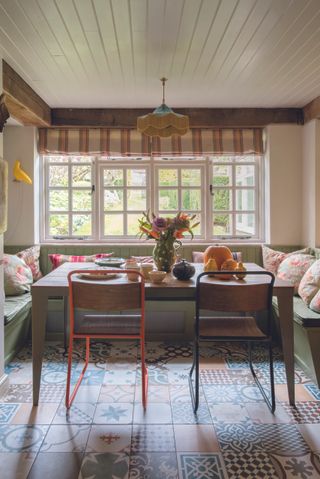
164,254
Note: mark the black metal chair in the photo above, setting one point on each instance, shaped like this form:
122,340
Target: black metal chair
248,296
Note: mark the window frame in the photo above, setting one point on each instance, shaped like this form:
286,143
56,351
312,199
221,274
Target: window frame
152,165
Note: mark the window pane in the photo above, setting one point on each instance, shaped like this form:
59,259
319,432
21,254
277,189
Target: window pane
113,177
168,177
81,200
58,200
113,225
81,159
57,159
191,200
58,175
245,175
245,200
198,229
191,177
113,200
81,175
222,200
245,224
133,224
136,200
168,199
58,225
221,225
222,175
136,177
81,225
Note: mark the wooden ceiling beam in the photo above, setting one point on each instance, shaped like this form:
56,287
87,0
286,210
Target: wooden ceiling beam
198,117
312,110
22,102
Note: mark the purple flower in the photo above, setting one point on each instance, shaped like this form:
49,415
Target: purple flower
159,224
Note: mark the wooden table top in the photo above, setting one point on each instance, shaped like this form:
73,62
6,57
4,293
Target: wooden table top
58,278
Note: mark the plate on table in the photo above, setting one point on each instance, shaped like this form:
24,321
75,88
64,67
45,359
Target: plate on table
111,262
101,276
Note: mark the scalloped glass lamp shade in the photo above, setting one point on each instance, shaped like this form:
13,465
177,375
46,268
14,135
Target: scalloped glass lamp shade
163,121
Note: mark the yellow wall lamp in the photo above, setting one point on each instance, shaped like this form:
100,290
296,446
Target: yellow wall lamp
20,175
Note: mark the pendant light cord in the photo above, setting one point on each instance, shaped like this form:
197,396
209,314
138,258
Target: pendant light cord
163,80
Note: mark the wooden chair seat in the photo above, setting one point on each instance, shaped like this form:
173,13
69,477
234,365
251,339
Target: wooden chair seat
116,324
230,328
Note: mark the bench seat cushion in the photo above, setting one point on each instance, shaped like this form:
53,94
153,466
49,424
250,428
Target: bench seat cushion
301,313
15,305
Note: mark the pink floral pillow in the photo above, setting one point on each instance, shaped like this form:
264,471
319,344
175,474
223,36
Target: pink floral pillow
272,258
294,267
58,259
17,275
31,258
310,283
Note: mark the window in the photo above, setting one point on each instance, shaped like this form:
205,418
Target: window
101,199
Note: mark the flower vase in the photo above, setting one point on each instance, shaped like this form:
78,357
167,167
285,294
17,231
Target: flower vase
164,255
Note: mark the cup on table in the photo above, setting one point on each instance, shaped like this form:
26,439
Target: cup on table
132,276
145,269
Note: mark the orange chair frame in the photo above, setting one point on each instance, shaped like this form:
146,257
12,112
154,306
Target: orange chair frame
73,335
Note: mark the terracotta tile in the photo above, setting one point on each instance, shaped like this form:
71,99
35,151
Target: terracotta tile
213,363
109,438
196,438
228,412
311,434
62,465
16,465
300,391
41,414
260,413
157,413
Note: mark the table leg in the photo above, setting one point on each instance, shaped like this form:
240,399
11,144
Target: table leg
39,319
285,304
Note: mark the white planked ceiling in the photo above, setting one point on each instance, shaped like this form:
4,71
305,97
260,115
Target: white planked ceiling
216,53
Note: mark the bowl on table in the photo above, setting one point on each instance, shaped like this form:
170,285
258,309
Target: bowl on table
157,276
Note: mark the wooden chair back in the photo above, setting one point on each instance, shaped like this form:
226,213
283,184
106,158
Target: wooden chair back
252,294
88,294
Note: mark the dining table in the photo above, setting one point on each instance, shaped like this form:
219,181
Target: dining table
55,284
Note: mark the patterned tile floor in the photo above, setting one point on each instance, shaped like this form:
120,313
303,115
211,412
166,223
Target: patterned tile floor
106,434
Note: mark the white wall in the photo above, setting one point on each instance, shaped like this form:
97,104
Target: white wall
311,183
284,184
19,144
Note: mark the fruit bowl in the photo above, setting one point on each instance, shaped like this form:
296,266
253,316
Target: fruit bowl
157,276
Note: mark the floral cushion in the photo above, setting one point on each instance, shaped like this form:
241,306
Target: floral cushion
31,258
17,275
294,267
272,258
310,283
143,259
58,259
197,256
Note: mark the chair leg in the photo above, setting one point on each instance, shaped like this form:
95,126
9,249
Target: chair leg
271,404
194,390
144,375
69,400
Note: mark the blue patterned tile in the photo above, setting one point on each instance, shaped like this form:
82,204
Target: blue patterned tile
92,377
236,394
21,438
182,413
201,466
153,465
7,411
239,437
313,390
106,465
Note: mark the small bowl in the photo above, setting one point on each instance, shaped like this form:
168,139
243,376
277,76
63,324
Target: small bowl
157,276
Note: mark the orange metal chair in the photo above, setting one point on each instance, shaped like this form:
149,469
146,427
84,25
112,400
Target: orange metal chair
87,297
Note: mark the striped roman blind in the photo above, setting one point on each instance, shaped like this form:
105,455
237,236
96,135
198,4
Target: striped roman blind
126,142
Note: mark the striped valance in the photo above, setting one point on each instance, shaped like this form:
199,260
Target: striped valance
125,142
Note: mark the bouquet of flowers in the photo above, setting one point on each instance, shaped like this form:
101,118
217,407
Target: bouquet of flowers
160,228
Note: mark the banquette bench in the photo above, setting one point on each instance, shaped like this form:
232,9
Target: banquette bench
162,326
